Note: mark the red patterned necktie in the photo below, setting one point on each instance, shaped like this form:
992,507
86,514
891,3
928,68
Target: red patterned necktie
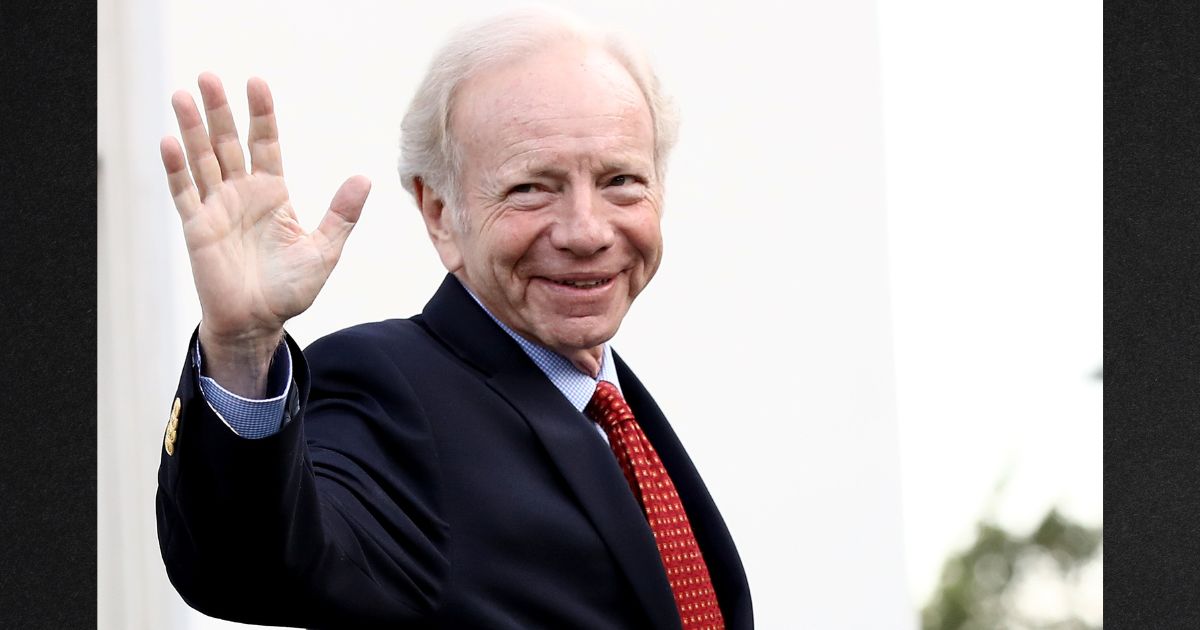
686,571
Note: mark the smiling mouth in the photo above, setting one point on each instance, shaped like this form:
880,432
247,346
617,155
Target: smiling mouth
583,284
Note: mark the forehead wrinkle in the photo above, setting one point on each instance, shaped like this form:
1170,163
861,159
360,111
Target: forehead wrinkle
518,137
530,131
527,110
614,152
630,116
534,165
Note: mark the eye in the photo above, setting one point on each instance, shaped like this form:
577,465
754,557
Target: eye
621,180
625,189
521,188
529,195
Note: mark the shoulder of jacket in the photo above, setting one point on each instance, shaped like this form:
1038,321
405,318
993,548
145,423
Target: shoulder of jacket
373,334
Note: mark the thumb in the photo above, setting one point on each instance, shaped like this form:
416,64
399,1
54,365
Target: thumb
343,213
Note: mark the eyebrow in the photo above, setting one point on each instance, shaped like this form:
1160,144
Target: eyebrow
533,169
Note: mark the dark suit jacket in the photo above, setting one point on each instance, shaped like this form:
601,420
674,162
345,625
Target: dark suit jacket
429,476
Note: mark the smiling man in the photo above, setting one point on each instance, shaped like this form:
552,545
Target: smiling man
561,197
491,462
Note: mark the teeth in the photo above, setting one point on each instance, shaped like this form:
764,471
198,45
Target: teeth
582,284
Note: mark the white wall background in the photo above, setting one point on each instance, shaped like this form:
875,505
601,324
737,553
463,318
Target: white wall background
776,276
993,150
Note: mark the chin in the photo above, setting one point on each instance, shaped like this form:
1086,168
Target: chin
581,335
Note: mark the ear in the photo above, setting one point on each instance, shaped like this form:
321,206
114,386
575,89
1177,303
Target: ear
440,225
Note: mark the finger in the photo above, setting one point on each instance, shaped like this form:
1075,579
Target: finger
343,213
221,129
264,134
203,162
187,200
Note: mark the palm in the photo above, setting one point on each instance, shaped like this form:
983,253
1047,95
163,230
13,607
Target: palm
253,264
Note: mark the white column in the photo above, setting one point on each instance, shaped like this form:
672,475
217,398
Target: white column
136,335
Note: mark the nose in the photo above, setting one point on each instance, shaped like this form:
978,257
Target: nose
582,227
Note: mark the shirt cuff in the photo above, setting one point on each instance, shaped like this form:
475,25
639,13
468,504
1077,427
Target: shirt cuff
250,418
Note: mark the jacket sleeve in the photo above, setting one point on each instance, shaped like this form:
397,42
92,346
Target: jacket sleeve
334,521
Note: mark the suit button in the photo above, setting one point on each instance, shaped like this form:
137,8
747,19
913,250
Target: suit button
172,428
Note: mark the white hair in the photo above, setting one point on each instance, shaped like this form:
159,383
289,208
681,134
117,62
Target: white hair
427,148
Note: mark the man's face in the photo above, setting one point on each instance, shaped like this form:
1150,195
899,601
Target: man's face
561,198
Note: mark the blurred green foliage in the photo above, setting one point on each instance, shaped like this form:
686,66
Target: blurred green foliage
979,585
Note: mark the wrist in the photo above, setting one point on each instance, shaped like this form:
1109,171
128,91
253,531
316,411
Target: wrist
239,363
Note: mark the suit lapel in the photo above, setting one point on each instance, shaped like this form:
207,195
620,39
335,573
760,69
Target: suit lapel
591,471
584,460
716,544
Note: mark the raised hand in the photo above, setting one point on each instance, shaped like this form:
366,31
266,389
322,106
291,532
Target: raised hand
253,265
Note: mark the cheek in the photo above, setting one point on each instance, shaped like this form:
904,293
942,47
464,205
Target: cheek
510,242
646,236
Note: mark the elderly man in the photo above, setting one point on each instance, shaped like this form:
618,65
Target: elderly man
489,463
